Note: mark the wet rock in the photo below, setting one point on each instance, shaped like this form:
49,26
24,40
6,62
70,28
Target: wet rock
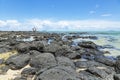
18,61
117,66
105,60
64,61
117,77
88,44
58,73
118,57
107,46
93,37
43,61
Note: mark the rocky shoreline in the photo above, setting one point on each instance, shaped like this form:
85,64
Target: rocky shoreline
55,56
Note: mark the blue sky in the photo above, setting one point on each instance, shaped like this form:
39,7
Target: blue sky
60,14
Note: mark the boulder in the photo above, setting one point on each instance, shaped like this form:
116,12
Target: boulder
41,61
75,48
23,47
105,60
34,53
98,72
89,53
64,61
28,71
37,45
117,77
87,44
117,66
18,61
118,57
84,75
66,51
58,73
51,48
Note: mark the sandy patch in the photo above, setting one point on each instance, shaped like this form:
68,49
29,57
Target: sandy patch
11,74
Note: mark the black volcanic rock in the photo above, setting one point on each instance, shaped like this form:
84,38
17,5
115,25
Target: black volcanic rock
87,64
51,48
105,60
117,66
88,44
34,53
18,61
37,45
67,52
41,61
117,77
28,71
23,47
58,73
98,72
64,61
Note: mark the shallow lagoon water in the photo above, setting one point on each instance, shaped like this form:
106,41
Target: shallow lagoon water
111,41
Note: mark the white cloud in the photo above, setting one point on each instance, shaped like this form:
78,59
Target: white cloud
106,15
92,12
79,25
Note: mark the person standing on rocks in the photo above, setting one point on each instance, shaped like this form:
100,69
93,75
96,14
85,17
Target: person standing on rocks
34,29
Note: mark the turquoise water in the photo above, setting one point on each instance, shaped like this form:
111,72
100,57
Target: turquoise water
112,39
109,39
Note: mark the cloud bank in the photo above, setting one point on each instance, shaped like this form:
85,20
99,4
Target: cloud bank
106,15
61,25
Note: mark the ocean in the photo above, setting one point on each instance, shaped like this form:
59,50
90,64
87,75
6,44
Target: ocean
110,40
